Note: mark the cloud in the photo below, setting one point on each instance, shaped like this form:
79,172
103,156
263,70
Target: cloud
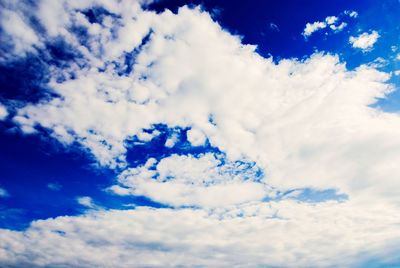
172,140
303,123
287,233
364,41
16,33
313,27
331,22
338,28
54,186
86,201
274,27
3,193
3,112
206,180
351,13
243,104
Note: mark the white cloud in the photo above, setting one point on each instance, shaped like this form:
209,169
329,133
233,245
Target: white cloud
313,27
333,22
196,137
351,13
338,28
286,233
206,180
18,33
255,104
86,201
3,112
364,41
172,140
305,123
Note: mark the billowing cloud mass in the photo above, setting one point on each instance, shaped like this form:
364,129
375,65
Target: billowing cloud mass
364,41
288,234
186,180
277,126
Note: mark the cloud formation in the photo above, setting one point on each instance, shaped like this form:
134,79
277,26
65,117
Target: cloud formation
364,41
288,233
303,123
194,181
3,112
332,22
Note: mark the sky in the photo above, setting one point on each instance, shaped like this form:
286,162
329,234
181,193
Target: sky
140,133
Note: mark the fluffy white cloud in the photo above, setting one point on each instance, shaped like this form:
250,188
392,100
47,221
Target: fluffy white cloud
16,32
283,234
3,112
332,21
305,123
313,27
86,201
194,181
172,140
196,137
338,28
364,41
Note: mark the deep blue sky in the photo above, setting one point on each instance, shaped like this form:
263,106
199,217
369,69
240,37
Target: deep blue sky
29,163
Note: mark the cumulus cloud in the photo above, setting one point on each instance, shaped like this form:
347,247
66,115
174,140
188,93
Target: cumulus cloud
364,41
86,201
16,32
313,27
288,233
254,104
194,181
3,112
333,23
303,123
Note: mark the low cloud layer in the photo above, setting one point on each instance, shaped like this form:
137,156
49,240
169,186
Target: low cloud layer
287,233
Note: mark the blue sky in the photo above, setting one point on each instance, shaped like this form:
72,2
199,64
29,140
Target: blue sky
142,118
